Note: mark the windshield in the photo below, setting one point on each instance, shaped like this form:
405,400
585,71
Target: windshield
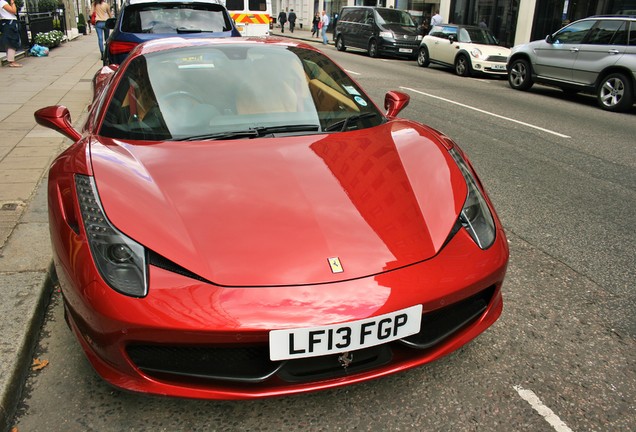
232,91
477,36
394,16
168,18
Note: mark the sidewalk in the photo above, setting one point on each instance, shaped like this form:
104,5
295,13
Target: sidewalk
26,150
304,34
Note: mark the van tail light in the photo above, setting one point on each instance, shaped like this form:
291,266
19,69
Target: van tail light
116,47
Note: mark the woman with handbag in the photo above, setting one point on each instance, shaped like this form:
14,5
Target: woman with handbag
100,12
10,32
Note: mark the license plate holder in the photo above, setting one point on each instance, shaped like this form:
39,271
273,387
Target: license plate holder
306,342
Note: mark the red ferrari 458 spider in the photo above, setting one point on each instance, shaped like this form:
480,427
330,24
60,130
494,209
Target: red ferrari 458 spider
238,219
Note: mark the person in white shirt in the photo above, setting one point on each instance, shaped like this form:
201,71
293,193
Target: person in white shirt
436,19
325,23
10,32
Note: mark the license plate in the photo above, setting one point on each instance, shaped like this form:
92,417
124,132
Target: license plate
406,50
499,67
337,338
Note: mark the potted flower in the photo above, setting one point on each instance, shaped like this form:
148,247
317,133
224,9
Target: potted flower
81,24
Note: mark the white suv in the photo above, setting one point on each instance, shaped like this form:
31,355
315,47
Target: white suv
594,55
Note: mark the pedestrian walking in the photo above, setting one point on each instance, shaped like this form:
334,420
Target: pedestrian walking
282,19
314,24
324,21
292,20
101,8
10,32
436,19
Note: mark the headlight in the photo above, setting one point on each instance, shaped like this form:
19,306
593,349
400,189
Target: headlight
120,260
419,37
475,52
475,216
386,35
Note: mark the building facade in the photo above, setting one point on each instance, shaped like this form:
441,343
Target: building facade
512,21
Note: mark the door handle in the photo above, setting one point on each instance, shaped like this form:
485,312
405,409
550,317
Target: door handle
574,50
613,51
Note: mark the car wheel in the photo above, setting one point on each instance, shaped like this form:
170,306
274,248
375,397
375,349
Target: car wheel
462,66
520,75
373,49
423,59
615,93
340,46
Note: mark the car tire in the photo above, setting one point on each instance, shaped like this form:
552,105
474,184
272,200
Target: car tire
520,75
423,59
340,46
373,49
462,65
615,93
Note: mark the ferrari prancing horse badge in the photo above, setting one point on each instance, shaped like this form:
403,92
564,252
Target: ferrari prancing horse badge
335,265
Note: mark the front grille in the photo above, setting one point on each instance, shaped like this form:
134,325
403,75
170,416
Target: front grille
405,44
328,367
442,323
251,364
497,59
242,364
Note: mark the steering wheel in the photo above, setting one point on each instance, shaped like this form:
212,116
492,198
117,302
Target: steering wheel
179,99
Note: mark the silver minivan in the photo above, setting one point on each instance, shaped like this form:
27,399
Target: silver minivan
594,55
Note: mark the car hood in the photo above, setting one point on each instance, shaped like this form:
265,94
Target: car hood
273,211
487,50
400,30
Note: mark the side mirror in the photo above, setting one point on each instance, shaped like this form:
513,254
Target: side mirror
549,39
452,38
110,23
57,118
394,102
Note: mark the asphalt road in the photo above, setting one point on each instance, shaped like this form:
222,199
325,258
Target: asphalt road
562,176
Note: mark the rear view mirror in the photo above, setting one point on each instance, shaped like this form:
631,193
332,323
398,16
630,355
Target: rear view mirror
57,118
394,102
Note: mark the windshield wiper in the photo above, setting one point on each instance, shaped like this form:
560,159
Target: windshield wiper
255,132
188,30
342,124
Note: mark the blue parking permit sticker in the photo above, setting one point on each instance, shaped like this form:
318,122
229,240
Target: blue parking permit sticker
360,101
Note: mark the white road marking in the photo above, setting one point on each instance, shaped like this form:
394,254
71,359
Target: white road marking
351,72
488,113
549,415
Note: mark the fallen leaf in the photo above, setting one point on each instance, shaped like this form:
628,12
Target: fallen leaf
39,364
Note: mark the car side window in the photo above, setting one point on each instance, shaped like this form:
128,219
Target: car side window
632,33
574,33
608,32
464,36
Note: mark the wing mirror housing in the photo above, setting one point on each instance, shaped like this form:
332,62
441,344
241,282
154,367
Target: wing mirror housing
452,39
58,118
394,102
549,39
110,23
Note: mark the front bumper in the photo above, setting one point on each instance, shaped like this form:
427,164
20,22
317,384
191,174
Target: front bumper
397,48
489,67
195,340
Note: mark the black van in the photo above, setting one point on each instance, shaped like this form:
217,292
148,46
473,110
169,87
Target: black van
379,31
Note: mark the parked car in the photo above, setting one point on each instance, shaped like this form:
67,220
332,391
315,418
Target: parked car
142,20
213,241
377,30
467,49
595,55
